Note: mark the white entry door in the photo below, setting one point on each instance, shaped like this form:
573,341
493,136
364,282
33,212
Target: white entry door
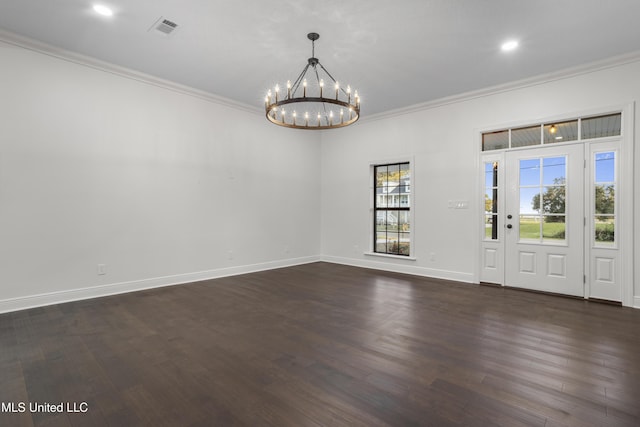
545,220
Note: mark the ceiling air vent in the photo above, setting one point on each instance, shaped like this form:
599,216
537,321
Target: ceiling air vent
164,26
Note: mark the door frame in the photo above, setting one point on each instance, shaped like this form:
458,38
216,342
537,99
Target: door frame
625,192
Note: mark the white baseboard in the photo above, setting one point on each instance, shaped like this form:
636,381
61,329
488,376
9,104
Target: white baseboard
32,301
636,302
402,268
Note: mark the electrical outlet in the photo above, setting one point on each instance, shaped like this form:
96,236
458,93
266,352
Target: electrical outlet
102,269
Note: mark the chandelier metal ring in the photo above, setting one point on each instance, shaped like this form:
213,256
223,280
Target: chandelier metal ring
322,114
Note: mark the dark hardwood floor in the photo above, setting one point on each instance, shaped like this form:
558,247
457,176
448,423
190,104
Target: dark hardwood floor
323,345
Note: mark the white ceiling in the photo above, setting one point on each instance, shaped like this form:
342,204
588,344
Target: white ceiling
396,53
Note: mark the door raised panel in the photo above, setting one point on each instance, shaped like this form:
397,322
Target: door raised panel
556,265
490,258
605,269
527,262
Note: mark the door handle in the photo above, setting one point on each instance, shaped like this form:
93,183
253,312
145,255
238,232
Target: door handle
509,226
509,216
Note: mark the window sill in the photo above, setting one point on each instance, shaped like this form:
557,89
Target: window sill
409,258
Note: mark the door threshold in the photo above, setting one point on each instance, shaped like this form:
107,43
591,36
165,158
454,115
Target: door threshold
605,301
493,285
535,291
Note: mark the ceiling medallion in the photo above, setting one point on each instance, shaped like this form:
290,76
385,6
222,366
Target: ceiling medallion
314,106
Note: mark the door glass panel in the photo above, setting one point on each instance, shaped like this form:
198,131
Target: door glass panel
491,200
491,174
553,228
525,136
605,167
604,196
491,227
542,199
554,170
605,231
530,201
530,227
605,199
553,200
530,172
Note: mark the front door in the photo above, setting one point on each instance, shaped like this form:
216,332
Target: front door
544,219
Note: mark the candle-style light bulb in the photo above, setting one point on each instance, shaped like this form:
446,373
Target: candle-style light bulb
269,96
342,115
294,118
306,119
319,119
288,88
321,86
337,88
277,90
304,88
349,94
283,114
331,118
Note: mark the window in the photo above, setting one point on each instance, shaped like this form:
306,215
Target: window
392,204
602,126
495,140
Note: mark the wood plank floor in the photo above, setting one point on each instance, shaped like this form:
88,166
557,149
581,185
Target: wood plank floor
324,345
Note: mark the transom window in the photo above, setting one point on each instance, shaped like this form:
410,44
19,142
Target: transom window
392,205
550,133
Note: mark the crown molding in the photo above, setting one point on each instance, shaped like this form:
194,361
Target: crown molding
87,61
540,79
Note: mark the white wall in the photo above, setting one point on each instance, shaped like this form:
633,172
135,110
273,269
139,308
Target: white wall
163,186
158,185
443,141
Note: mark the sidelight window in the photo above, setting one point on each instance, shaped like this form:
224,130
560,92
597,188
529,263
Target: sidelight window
491,200
604,196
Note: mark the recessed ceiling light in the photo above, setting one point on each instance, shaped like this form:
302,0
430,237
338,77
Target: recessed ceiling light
510,45
102,10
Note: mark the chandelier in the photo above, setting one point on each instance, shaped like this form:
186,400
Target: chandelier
316,105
